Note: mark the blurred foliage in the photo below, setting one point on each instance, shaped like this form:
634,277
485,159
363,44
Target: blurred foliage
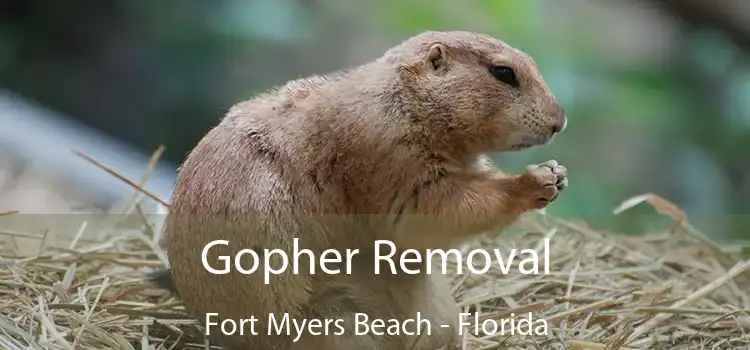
164,72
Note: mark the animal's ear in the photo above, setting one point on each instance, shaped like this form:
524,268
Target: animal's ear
437,57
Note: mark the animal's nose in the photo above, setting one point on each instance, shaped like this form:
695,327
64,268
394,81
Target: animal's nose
560,125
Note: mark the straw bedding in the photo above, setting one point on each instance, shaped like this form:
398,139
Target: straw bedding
666,290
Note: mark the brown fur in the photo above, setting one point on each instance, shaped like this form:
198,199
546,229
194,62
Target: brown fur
393,149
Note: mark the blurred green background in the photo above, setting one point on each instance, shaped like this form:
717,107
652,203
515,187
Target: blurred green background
657,91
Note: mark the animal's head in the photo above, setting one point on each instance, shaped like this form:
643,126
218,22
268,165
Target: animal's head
477,90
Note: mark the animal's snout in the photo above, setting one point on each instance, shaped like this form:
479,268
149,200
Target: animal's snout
560,121
560,125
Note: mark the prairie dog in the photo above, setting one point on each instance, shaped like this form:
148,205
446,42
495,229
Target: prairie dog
394,149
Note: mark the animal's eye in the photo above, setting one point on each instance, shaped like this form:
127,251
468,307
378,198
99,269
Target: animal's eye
504,74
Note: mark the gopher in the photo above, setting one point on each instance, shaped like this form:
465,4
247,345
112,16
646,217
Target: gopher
395,149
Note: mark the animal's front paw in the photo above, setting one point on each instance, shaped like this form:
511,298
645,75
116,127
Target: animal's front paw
542,183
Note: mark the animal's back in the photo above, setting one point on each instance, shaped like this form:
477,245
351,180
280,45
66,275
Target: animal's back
257,181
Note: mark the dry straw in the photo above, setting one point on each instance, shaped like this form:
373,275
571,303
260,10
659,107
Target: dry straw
668,290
